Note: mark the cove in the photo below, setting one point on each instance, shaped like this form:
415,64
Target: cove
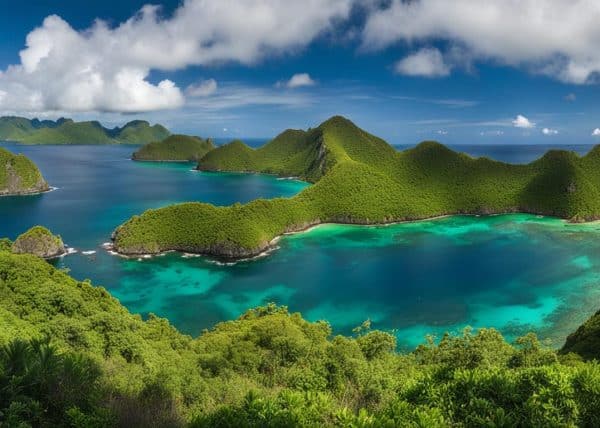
516,272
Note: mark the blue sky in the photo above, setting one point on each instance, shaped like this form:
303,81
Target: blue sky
404,74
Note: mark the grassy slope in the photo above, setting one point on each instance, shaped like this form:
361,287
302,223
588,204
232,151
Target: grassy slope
29,177
14,128
359,178
66,131
174,148
273,368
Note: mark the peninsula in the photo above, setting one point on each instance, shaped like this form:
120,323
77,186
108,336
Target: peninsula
19,175
360,179
174,148
67,131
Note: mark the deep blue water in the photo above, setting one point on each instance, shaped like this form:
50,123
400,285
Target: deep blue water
517,273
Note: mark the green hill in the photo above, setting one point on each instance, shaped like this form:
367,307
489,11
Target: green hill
174,148
66,131
359,178
586,340
72,355
19,175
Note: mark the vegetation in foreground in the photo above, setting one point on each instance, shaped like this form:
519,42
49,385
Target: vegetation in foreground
66,131
175,148
19,175
359,178
71,355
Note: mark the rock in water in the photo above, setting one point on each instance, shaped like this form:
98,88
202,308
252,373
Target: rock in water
40,242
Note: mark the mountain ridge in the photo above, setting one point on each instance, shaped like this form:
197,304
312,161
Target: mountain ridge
67,131
360,179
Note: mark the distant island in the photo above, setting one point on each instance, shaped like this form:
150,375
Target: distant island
175,148
361,179
19,175
67,131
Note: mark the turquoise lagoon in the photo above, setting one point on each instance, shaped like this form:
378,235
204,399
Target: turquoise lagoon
517,273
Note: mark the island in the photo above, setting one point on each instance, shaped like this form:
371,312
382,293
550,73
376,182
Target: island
67,131
72,355
40,242
174,148
360,179
19,175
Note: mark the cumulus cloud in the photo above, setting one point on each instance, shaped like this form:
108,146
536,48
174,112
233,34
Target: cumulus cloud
202,89
107,68
558,37
297,80
596,132
522,122
549,131
427,62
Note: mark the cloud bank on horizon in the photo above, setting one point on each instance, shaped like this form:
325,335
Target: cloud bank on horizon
112,68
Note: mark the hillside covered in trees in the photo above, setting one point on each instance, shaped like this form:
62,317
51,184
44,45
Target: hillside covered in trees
359,178
71,355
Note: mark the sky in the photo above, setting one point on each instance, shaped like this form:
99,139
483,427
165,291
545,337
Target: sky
460,72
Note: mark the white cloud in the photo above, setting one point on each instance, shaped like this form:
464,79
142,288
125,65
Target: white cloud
107,68
522,122
427,62
554,37
596,132
234,95
549,131
296,81
202,89
442,132
570,97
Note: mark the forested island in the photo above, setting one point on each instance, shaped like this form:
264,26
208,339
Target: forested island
67,131
360,179
40,242
72,355
174,148
19,175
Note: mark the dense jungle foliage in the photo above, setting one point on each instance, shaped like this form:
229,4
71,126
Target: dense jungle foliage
72,355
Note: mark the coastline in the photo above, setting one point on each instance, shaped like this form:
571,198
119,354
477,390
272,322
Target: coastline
250,172
162,160
272,246
32,193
